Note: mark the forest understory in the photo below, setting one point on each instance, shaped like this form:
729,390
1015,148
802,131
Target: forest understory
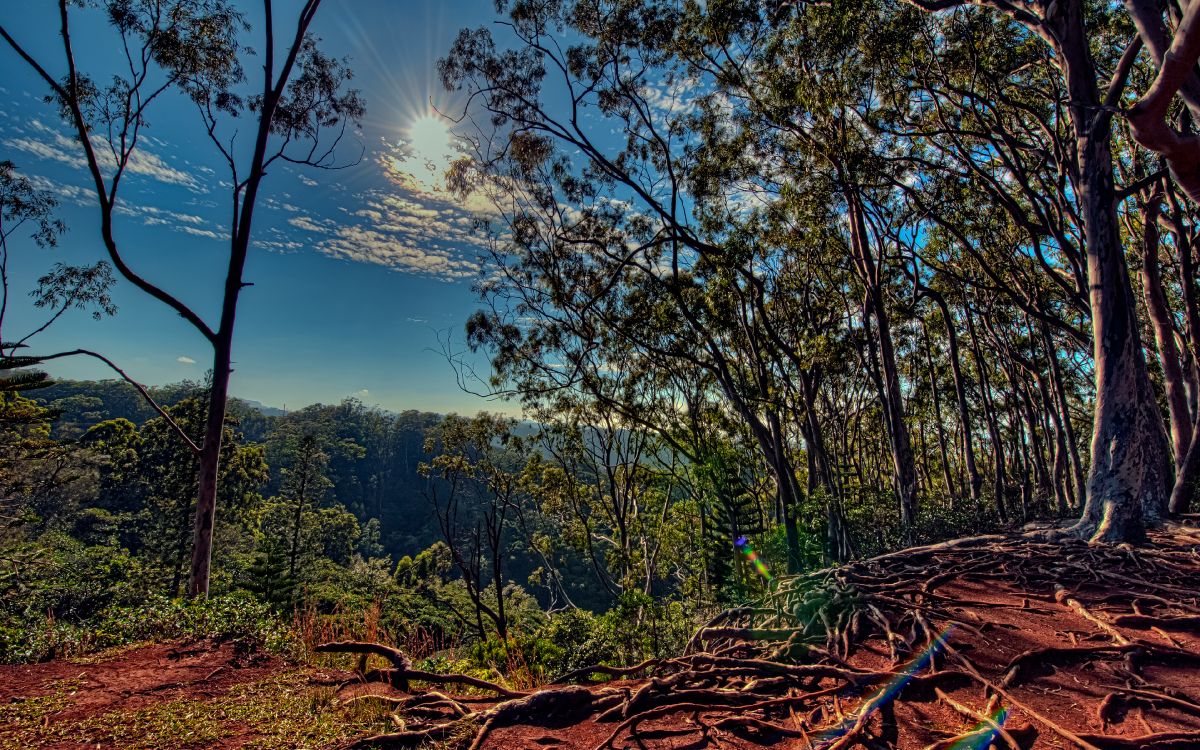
1009,641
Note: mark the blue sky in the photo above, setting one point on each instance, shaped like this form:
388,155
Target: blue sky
357,273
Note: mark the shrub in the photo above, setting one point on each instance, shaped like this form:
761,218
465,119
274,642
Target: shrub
227,617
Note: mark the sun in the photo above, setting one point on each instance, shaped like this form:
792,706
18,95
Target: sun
431,148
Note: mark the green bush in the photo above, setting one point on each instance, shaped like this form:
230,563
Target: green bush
228,617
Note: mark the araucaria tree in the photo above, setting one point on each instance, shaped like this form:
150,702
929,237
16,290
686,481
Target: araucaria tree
297,113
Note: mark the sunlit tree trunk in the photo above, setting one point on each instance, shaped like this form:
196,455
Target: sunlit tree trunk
1126,486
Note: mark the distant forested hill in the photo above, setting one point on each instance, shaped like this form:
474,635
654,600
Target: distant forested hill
373,471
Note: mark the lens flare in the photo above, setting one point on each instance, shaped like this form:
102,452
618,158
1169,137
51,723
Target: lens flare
982,734
888,693
743,545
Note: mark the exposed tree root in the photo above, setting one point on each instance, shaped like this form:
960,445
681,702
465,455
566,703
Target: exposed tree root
811,661
586,673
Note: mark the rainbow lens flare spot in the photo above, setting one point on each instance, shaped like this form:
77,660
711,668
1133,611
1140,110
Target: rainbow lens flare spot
743,546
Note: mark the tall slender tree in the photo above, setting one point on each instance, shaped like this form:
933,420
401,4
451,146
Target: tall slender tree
298,114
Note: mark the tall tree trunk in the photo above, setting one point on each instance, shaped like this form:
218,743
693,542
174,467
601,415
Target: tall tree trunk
874,305
1164,334
1058,387
1126,486
999,477
210,460
1187,472
974,481
838,547
307,446
1191,299
1062,485
943,451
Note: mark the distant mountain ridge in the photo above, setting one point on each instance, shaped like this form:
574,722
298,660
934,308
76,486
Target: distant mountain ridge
266,411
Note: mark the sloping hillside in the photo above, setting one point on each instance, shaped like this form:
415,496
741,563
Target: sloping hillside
1010,641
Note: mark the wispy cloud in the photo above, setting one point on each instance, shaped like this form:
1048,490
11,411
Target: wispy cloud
310,224
49,144
185,360
154,216
384,248
71,193
673,98
414,226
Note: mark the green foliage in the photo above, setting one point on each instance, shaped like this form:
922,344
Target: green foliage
152,618
268,579
223,617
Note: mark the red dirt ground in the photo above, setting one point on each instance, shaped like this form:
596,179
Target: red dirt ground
1110,663
1138,610
135,679
139,677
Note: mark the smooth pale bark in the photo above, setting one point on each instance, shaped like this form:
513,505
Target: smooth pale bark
210,461
1191,297
904,468
1176,75
1164,333
943,451
788,491
1187,472
838,547
1063,410
974,481
999,477
1126,488
1062,486
1041,473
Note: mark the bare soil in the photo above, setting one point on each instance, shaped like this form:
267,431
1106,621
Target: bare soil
1009,642
137,678
1016,641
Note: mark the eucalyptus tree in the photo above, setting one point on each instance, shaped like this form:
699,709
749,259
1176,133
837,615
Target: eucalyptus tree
1048,167
166,478
629,264
297,113
1127,480
1166,232
475,488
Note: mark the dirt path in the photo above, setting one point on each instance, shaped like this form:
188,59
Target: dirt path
206,694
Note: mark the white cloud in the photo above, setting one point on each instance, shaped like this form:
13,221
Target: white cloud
56,146
210,234
394,251
673,99
414,227
192,224
309,224
185,360
72,193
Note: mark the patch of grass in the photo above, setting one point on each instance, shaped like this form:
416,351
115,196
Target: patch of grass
282,712
289,713
27,717
175,724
